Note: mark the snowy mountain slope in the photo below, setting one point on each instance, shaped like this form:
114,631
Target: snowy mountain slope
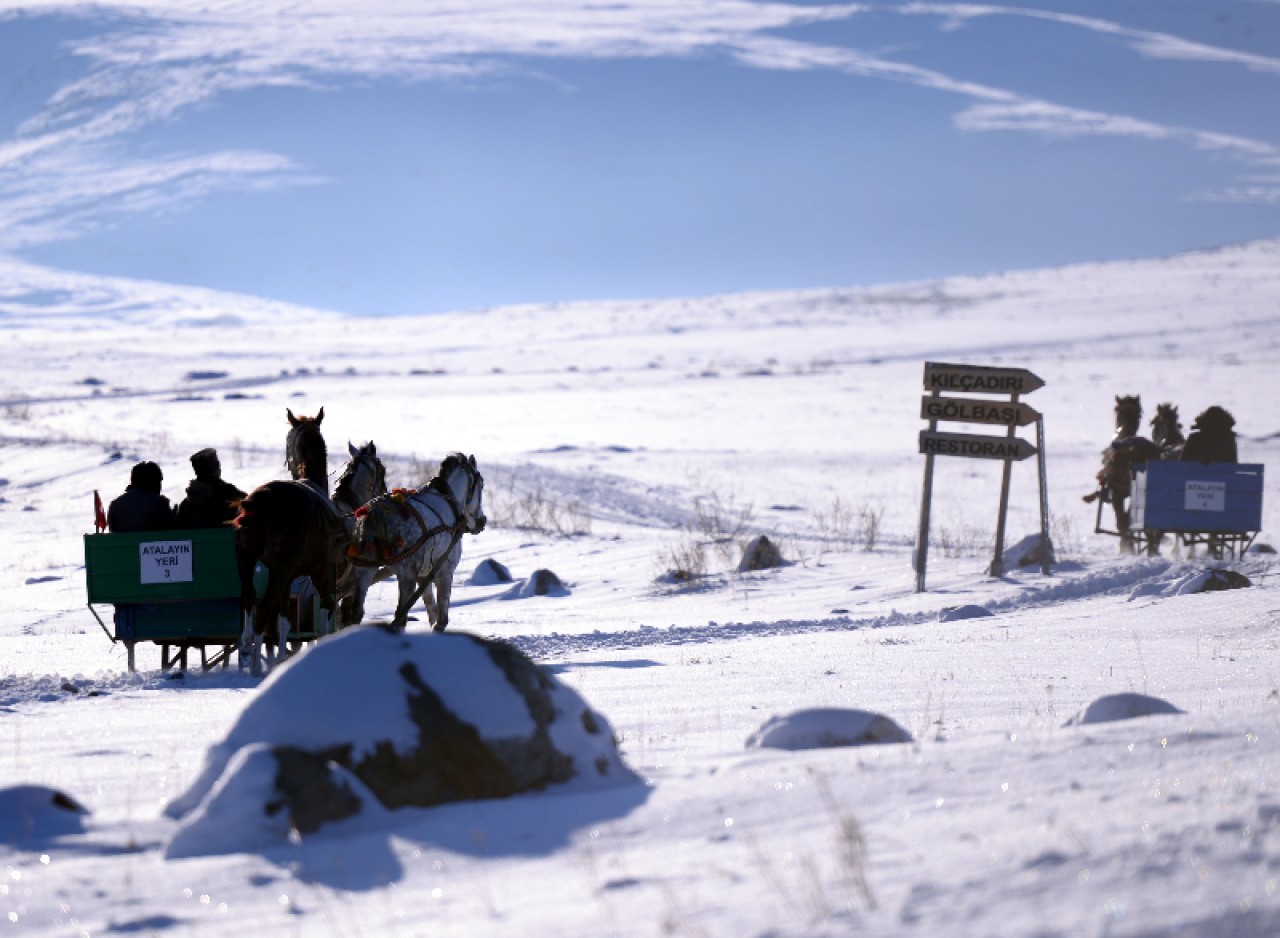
615,437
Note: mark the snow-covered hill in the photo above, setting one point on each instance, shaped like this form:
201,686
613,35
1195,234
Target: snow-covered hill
617,438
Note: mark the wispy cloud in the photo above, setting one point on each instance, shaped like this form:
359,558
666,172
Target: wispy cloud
66,170
1151,43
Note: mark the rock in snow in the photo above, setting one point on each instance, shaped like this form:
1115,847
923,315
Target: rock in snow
370,719
31,814
1032,549
489,572
827,728
760,554
1121,707
540,583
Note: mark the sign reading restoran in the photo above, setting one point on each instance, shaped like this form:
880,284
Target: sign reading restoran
975,446
165,561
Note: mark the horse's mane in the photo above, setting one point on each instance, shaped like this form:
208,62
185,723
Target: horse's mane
451,462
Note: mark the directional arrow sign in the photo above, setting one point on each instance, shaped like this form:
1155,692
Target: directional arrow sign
933,443
939,376
969,410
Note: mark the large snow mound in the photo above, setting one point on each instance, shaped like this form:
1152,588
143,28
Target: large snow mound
1122,707
826,728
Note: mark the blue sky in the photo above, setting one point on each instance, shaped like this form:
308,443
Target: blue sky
397,157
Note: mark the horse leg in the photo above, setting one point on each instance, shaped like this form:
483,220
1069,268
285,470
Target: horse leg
408,587
246,638
353,603
283,625
265,615
444,588
1122,525
432,606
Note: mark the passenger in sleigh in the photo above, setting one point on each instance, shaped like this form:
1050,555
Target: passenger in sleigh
210,502
141,507
1212,438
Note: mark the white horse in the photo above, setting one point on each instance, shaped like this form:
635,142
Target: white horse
417,535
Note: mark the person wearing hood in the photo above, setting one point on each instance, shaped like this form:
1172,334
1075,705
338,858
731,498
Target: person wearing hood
1212,438
209,502
141,507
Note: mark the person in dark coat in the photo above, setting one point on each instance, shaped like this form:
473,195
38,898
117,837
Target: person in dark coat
209,502
1212,438
141,507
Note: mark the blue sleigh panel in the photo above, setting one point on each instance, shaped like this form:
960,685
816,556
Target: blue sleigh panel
1221,498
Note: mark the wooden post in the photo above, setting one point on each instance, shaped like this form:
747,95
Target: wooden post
997,561
926,499
1046,545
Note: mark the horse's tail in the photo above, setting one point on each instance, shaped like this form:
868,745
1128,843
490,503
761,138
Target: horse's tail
252,515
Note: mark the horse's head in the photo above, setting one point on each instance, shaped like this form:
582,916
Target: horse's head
463,479
1166,428
363,478
304,450
1128,414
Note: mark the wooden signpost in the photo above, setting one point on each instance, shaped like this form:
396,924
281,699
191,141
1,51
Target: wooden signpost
940,378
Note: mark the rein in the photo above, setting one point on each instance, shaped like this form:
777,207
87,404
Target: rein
456,530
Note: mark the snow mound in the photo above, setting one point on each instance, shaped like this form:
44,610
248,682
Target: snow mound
247,810
421,720
541,583
956,613
1115,707
489,573
35,813
1197,581
827,728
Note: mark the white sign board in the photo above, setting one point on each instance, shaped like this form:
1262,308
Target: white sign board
1206,496
165,561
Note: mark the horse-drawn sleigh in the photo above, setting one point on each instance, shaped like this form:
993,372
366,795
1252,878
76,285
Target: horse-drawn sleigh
293,564
181,590
1192,489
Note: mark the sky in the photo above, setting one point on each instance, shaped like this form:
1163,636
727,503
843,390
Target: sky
400,158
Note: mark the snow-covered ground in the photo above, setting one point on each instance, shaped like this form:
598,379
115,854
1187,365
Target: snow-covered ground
616,439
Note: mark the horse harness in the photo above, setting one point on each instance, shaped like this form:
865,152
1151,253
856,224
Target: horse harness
456,530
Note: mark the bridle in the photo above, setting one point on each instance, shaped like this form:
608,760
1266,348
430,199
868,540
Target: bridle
342,491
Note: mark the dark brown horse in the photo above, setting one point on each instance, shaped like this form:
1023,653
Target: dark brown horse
1166,431
1127,449
304,451
293,531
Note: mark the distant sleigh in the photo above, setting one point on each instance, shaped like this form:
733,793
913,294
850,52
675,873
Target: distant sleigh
1214,505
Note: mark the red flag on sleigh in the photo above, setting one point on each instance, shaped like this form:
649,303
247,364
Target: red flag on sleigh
99,516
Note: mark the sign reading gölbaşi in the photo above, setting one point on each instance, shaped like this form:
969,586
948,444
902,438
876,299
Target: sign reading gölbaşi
940,377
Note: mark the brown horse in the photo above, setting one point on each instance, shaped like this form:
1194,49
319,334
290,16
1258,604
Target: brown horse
304,451
294,531
1127,449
